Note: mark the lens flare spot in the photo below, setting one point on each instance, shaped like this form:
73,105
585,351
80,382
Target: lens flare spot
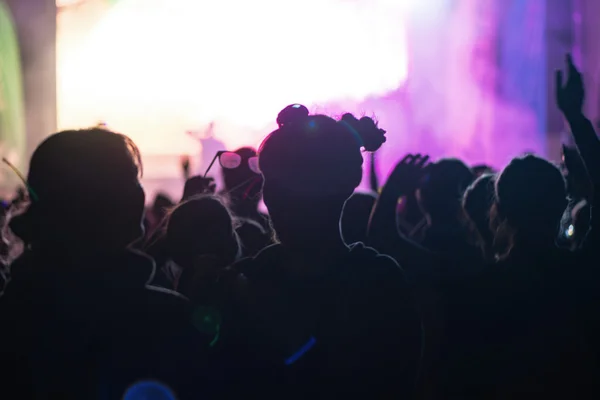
149,390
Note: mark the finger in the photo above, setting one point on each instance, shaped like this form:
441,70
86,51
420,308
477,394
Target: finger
558,76
569,59
423,161
407,158
415,159
574,73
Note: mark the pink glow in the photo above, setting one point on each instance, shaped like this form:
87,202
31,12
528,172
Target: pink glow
154,69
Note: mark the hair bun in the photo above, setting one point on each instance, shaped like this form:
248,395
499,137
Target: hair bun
292,114
372,137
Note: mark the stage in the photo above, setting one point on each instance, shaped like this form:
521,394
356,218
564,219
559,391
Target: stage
464,78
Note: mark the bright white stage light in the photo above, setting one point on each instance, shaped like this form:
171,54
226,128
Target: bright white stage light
155,68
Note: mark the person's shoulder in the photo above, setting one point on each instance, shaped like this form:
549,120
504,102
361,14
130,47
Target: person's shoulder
374,259
261,261
157,302
171,313
376,268
161,294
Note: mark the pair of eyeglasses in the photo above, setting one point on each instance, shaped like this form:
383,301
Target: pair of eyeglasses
230,160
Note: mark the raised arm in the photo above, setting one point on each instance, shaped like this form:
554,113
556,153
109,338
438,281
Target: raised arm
383,230
570,97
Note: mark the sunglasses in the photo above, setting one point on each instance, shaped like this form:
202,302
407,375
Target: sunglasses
230,160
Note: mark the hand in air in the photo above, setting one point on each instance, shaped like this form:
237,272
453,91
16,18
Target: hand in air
570,94
198,185
406,175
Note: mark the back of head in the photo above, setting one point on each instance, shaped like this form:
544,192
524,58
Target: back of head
477,201
317,156
355,217
242,183
162,202
201,227
441,189
482,169
531,196
87,191
311,165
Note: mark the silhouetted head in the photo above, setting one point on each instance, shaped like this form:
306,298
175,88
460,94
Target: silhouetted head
201,227
531,198
441,190
310,167
355,217
162,203
243,183
482,169
477,201
88,195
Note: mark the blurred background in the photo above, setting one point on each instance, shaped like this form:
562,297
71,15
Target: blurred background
467,78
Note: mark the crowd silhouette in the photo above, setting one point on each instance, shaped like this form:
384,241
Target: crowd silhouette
447,282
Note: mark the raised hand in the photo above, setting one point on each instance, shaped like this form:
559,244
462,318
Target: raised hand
570,94
570,98
406,175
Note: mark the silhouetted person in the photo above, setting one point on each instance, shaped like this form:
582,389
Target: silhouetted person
243,188
477,202
440,194
437,267
439,189
200,239
526,308
531,326
80,317
162,203
482,169
156,245
297,301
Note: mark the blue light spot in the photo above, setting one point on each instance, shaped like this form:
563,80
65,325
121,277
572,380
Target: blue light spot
301,351
312,124
148,390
